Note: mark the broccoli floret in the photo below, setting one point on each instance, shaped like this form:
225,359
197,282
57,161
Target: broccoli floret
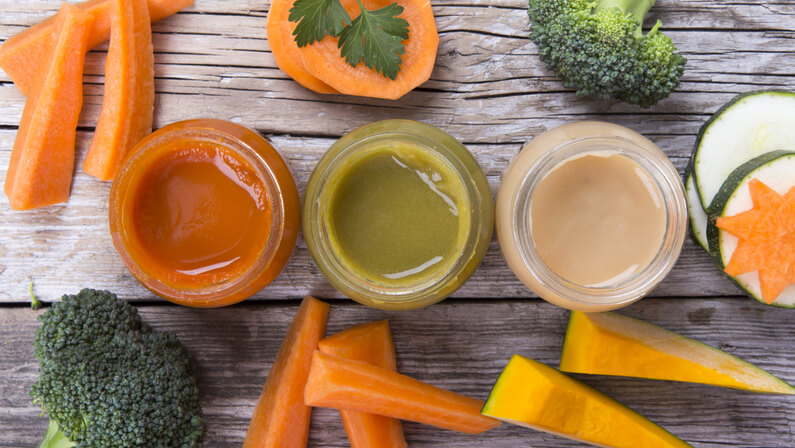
598,48
107,380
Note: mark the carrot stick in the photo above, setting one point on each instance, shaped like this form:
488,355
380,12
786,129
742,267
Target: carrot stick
281,420
128,105
340,383
22,56
42,161
370,343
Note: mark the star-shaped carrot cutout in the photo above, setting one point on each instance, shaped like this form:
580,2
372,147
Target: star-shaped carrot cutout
766,236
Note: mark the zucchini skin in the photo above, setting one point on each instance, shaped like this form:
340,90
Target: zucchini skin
704,127
716,208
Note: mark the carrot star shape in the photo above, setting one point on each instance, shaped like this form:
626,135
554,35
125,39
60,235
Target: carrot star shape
766,236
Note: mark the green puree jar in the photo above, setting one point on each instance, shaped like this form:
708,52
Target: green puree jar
397,215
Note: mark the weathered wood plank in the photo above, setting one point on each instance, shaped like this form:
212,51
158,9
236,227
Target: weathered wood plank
234,348
488,89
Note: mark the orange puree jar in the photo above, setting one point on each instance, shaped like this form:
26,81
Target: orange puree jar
204,213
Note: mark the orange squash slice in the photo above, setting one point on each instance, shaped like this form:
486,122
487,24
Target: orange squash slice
612,344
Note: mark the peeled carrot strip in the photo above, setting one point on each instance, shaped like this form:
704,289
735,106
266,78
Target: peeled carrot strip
285,50
340,383
322,59
370,343
42,161
128,105
281,419
22,55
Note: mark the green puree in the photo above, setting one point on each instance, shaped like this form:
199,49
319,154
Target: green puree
397,215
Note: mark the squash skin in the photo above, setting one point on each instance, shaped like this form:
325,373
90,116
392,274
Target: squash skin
716,209
536,396
609,344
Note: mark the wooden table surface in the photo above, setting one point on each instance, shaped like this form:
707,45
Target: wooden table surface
490,90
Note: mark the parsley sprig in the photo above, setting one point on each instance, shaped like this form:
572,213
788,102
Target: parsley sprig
375,37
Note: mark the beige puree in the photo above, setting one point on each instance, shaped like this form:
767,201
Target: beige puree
595,217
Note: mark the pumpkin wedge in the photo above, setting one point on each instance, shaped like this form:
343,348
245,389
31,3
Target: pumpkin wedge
281,419
128,104
340,383
42,161
22,56
370,343
530,394
612,344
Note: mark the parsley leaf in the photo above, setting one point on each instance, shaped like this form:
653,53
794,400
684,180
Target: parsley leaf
376,37
316,19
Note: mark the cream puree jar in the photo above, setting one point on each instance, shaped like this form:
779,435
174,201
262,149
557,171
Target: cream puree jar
585,198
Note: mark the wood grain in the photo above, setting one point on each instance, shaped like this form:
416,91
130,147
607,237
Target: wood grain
234,348
489,89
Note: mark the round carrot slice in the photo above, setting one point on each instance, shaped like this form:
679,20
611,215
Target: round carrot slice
322,59
285,50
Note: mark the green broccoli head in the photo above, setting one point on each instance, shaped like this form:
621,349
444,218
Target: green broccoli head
597,47
108,380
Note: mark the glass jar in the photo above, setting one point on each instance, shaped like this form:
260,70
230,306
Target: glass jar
548,152
372,203
204,212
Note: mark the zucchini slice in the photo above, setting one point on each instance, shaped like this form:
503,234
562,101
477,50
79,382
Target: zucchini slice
698,217
777,170
749,125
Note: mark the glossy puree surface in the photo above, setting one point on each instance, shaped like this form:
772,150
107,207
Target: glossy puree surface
397,214
200,215
597,219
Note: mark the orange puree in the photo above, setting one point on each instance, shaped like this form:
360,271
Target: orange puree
200,214
204,212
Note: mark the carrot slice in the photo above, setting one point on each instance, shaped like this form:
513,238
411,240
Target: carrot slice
128,105
42,161
281,419
370,343
323,59
340,383
22,56
285,50
766,236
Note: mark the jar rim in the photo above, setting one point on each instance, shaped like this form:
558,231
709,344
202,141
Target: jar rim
226,135
631,288
360,142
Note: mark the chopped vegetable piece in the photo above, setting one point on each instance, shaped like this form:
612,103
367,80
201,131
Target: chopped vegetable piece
536,396
340,383
370,343
22,56
322,59
109,380
281,419
285,50
42,161
612,344
376,39
767,239
128,105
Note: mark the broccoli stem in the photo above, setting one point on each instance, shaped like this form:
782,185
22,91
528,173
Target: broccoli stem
637,9
54,438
